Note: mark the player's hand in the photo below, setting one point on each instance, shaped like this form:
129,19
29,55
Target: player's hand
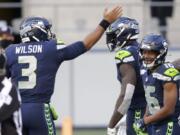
140,127
111,15
111,131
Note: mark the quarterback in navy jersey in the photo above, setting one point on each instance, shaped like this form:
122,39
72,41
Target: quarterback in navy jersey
33,64
122,38
161,84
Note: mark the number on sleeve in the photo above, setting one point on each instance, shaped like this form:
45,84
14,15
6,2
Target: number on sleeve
28,72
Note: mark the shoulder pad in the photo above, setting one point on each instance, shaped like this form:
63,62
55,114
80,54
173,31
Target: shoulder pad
171,72
124,55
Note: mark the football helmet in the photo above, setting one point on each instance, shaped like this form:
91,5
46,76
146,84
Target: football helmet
36,29
156,43
121,32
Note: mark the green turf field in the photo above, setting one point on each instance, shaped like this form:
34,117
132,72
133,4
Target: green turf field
87,132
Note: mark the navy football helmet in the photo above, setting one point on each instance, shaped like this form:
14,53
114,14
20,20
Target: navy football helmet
156,43
36,29
121,32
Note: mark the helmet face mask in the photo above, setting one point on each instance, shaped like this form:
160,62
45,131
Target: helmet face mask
121,32
111,41
35,29
153,50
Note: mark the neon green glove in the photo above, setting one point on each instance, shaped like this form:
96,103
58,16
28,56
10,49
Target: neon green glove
139,127
54,113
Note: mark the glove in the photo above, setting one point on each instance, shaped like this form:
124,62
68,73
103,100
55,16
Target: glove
140,127
54,113
111,131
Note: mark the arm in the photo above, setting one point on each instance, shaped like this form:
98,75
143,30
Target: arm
127,89
176,63
170,98
76,49
109,17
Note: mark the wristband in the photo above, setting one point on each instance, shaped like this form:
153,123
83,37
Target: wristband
105,24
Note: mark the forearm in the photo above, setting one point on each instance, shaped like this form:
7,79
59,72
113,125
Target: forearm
128,86
116,115
122,104
93,37
161,114
127,90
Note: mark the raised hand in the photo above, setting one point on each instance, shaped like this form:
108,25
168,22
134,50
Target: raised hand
111,15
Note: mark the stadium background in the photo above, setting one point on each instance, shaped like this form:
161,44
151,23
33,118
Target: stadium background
86,88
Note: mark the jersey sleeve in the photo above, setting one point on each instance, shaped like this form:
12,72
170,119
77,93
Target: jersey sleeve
124,56
168,75
71,51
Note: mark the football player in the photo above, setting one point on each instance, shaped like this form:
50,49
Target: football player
161,84
122,38
33,64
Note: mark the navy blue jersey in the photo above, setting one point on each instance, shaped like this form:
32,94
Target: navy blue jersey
33,66
130,55
153,85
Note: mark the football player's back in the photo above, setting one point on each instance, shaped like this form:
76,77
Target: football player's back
34,73
32,67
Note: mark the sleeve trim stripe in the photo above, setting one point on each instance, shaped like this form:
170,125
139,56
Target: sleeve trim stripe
60,47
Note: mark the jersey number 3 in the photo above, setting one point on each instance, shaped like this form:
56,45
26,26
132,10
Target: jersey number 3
28,72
